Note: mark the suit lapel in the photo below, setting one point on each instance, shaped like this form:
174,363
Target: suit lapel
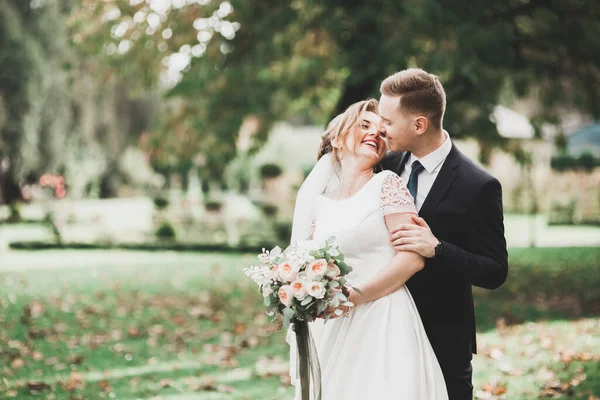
442,182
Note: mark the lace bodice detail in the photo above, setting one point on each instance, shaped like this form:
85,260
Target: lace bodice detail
395,197
357,223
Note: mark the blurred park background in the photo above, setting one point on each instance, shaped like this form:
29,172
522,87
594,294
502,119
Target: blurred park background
149,148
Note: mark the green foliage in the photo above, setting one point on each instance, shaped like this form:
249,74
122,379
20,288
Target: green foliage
213,205
300,60
15,214
561,142
165,232
283,231
161,202
585,161
555,272
270,170
269,209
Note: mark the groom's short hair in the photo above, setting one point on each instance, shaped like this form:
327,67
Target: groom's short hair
419,92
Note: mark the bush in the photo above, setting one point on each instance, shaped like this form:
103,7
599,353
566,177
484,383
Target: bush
165,231
585,161
562,273
15,214
161,202
270,170
269,209
159,246
283,231
213,205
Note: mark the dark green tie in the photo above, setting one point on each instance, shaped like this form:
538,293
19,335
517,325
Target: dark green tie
413,179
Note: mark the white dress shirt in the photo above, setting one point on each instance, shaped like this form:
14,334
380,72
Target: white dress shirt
432,163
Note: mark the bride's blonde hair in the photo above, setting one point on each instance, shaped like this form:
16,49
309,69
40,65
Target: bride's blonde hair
340,126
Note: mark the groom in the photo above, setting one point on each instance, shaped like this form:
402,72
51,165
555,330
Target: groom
463,240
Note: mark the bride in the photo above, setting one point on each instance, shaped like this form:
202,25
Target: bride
378,349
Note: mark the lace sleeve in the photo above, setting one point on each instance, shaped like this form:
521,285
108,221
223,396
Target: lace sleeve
395,197
313,225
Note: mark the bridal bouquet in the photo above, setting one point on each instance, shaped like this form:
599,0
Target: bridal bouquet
299,284
302,281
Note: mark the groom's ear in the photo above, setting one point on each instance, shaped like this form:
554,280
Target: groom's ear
421,124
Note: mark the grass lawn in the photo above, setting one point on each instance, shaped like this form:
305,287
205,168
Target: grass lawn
133,325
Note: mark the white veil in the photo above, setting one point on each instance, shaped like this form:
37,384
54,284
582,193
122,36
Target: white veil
323,178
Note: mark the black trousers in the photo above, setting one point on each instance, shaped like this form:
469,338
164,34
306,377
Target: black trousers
459,382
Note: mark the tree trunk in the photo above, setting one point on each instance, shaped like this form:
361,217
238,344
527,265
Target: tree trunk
355,91
10,191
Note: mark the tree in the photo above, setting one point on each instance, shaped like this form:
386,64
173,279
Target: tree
36,108
309,60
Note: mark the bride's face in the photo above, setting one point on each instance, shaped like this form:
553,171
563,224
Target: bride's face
365,141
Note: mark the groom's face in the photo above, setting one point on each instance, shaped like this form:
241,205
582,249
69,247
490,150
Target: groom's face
397,126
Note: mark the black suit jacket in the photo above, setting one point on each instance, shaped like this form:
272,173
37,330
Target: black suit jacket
464,211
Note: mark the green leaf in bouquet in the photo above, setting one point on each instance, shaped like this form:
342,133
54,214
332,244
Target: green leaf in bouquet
267,301
334,284
335,252
322,306
357,290
335,302
306,300
276,252
340,296
342,281
343,267
330,241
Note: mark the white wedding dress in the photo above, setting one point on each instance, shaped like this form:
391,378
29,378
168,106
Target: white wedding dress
380,350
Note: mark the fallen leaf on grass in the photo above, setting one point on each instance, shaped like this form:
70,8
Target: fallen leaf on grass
104,385
76,359
51,361
207,383
276,366
225,389
38,386
165,383
133,331
75,382
239,328
17,363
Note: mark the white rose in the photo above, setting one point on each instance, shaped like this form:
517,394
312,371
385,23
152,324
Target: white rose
316,289
288,271
299,289
285,295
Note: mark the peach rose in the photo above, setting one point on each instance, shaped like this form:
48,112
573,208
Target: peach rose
285,295
287,272
317,269
316,289
333,271
298,289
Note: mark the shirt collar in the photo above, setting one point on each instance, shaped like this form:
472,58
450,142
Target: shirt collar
434,159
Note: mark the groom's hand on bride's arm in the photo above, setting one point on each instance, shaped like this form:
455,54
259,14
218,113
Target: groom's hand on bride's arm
416,237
